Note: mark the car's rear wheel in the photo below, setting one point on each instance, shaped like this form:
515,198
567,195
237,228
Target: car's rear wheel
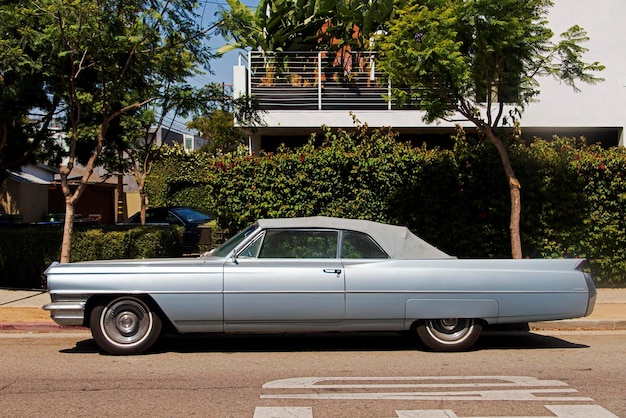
449,334
125,325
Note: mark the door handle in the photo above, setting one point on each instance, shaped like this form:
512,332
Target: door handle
334,271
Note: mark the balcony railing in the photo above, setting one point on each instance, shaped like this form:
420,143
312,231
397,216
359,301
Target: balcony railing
318,81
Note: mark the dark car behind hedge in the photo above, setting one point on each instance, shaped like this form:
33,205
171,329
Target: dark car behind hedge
189,218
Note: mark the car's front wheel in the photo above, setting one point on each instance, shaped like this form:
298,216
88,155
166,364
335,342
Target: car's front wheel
125,325
449,334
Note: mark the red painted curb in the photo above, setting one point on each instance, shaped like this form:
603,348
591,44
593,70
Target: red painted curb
38,326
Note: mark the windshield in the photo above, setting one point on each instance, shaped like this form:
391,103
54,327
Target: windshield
192,215
225,249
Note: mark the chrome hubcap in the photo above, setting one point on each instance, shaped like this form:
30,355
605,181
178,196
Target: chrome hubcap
450,330
126,321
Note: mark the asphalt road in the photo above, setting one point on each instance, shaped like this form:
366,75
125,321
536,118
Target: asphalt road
548,374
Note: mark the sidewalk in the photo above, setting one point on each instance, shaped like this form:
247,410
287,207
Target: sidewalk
20,310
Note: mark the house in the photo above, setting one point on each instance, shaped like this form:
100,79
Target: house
310,92
164,136
24,195
34,195
98,203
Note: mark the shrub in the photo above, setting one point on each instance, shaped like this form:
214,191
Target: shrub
573,195
27,250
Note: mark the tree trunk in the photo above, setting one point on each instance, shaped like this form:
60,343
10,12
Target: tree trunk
140,178
515,192
68,228
72,198
142,204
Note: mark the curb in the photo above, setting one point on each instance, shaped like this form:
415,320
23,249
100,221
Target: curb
579,325
565,325
38,327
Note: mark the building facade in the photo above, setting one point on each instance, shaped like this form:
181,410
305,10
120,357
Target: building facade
308,94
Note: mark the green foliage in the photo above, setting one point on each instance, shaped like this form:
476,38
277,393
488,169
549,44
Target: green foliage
574,194
26,251
462,56
283,25
458,59
219,127
302,25
97,61
21,91
138,242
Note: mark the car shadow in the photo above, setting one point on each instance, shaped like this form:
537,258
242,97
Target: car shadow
514,340
329,342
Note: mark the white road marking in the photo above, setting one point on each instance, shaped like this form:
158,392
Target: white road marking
283,412
417,382
580,411
459,388
560,411
428,413
490,395
488,388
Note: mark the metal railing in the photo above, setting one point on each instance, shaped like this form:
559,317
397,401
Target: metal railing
317,81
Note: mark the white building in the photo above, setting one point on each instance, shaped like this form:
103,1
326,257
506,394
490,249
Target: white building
301,104
166,136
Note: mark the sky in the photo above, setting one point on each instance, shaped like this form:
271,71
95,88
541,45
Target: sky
221,68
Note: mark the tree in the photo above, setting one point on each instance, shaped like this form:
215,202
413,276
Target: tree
302,25
26,111
217,123
473,58
219,128
275,25
136,149
103,59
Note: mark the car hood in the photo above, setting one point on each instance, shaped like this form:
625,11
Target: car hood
143,264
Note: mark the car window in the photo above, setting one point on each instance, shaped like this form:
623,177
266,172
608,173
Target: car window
252,250
360,245
294,243
192,215
173,219
225,249
155,216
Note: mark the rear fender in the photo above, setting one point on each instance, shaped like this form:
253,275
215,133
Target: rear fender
486,309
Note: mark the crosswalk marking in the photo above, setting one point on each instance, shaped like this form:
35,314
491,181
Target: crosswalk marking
283,412
491,395
414,382
481,388
560,411
428,388
580,411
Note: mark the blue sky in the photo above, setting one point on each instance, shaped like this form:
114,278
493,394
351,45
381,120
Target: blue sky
222,68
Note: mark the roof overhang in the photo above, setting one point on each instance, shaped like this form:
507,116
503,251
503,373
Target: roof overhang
27,178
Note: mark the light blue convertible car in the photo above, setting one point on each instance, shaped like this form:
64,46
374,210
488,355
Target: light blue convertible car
315,274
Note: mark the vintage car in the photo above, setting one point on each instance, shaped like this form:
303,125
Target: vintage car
315,274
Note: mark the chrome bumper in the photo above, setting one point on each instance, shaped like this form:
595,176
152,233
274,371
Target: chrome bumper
593,293
67,310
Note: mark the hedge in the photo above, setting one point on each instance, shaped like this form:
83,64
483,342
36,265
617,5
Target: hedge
573,194
27,250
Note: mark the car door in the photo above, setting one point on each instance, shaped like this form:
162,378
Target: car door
287,279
